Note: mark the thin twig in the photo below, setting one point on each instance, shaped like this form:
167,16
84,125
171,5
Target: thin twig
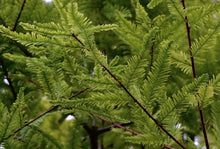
151,56
35,83
94,132
152,51
194,76
78,39
203,125
23,48
80,92
168,147
189,41
144,109
107,128
42,114
115,124
19,15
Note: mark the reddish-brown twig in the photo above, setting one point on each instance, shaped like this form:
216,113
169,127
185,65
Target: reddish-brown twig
194,76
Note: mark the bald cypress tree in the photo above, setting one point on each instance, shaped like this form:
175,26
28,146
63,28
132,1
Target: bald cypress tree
129,74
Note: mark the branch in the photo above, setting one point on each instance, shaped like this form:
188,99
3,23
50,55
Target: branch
9,81
79,92
19,15
189,42
42,114
108,128
124,128
194,76
78,39
168,147
23,49
94,132
203,125
135,100
35,83
152,51
152,56
144,109
115,124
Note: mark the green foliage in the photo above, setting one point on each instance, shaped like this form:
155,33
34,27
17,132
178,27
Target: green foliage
12,118
127,55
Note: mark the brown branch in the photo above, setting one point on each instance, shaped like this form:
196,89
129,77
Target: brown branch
93,135
168,147
189,41
107,128
194,76
203,125
9,81
19,15
124,128
94,132
79,92
78,39
144,109
152,56
35,83
39,116
23,48
116,124
135,100
42,114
